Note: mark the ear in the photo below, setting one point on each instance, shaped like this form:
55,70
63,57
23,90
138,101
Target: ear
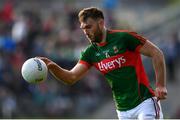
101,22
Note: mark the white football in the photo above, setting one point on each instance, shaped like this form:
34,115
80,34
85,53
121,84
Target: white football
34,70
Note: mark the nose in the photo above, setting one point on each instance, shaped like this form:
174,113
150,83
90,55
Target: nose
86,31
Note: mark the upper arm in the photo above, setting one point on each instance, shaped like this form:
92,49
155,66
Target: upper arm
78,71
149,49
138,43
84,64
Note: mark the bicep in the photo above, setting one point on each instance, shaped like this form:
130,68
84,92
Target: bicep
79,71
149,49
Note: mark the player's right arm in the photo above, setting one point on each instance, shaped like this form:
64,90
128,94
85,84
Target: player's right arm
67,76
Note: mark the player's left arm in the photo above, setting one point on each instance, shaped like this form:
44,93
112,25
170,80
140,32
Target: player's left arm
151,50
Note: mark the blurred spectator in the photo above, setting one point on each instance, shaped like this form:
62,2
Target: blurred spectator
177,114
34,25
6,15
19,29
109,8
170,49
8,103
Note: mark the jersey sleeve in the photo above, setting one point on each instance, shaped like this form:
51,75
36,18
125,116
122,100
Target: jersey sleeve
133,41
85,58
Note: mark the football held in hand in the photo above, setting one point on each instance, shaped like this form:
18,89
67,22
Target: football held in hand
34,70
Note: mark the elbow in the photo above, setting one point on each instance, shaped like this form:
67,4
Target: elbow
69,83
158,55
161,55
161,52
72,80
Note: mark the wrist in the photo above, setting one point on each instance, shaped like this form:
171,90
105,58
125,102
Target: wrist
160,84
50,65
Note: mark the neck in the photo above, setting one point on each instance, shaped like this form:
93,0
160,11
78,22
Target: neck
104,35
103,38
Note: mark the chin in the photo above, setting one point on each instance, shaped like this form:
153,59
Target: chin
91,40
94,41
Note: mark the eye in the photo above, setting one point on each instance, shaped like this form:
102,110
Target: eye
88,26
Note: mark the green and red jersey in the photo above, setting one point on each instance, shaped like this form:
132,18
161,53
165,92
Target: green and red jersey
119,60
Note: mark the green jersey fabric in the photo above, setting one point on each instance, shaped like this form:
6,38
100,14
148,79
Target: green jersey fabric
119,60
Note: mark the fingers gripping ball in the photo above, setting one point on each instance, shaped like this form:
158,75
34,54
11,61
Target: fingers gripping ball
34,70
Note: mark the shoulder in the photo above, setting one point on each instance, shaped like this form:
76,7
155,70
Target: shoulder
89,49
120,33
86,54
126,34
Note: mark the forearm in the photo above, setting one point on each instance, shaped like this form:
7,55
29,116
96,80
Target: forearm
159,67
150,50
61,74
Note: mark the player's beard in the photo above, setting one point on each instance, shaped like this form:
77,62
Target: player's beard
97,36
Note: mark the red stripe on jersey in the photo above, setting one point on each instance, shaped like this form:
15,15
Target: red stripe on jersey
102,44
142,39
141,75
138,48
114,31
85,63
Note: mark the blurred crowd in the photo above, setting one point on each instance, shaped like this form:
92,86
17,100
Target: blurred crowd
26,33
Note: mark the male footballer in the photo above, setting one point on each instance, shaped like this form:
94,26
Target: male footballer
117,55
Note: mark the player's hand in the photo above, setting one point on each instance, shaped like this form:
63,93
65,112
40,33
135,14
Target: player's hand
161,92
46,60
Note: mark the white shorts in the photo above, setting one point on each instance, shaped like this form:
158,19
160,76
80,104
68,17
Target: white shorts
148,109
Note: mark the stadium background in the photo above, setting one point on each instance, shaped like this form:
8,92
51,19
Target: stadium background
50,28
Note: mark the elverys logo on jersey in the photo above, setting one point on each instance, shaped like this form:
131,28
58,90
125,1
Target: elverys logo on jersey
117,62
110,64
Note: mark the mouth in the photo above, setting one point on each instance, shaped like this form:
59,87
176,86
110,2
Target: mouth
89,36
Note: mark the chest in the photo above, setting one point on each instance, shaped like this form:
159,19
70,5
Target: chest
113,56
111,49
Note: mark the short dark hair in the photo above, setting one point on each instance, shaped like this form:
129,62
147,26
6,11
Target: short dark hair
91,12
